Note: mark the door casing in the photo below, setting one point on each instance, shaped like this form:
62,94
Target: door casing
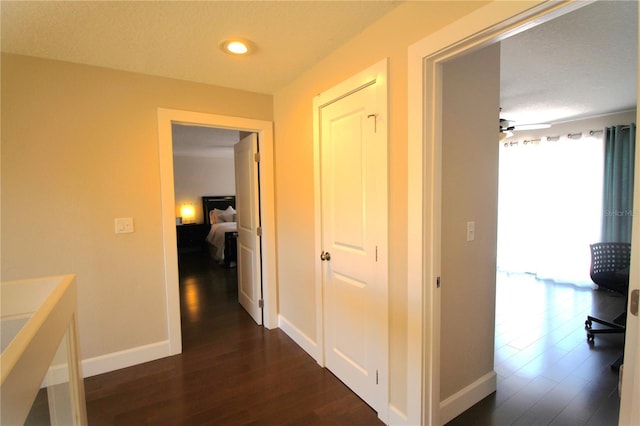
264,129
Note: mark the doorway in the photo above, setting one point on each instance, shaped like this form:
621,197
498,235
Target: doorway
264,129
213,189
482,28
533,338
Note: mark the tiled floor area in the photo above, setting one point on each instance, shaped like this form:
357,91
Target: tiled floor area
547,372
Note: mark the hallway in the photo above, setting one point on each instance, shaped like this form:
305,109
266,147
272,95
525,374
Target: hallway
231,371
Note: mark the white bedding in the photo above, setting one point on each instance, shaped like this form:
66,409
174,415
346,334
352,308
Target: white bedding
216,237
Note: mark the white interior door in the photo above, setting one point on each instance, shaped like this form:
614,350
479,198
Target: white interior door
353,194
248,219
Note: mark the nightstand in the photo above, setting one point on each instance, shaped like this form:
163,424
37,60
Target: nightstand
230,248
191,237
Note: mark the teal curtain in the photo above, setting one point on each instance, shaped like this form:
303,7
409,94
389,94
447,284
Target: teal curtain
619,156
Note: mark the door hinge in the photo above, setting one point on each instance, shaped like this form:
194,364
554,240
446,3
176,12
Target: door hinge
257,157
376,377
259,231
376,253
635,300
438,282
260,303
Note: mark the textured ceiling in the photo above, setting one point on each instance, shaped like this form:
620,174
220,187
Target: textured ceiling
180,39
579,65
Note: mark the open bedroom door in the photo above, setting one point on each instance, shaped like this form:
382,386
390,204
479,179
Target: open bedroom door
248,219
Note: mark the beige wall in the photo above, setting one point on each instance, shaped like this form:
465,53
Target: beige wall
82,142
471,92
389,37
79,148
194,177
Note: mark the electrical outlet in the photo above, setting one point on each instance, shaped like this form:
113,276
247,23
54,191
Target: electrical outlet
124,225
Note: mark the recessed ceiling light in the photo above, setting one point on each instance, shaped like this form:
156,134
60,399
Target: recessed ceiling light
236,46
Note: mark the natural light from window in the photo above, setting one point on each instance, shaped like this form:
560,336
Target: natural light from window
550,206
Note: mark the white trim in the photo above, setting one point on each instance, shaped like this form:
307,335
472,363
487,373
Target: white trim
127,358
267,207
491,23
397,417
317,233
376,74
301,339
169,239
57,374
42,315
466,398
630,374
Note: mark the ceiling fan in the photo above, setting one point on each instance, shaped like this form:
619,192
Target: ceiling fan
507,127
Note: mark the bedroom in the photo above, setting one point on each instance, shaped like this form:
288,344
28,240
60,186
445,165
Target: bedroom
206,227
525,75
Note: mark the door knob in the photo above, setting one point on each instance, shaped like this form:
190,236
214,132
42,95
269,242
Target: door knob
325,256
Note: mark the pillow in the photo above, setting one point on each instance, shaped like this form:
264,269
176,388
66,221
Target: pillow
228,215
214,216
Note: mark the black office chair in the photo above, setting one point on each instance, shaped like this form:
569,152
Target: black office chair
609,270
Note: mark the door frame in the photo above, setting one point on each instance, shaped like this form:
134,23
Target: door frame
487,25
264,129
375,74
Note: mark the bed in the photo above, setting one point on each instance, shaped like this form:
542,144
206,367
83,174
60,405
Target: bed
220,214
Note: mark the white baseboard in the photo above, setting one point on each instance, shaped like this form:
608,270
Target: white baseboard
57,374
397,417
127,358
304,341
466,398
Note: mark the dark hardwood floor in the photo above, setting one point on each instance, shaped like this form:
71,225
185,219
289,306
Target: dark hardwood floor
231,371
547,372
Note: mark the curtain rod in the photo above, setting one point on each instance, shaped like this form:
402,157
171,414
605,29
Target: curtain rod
577,135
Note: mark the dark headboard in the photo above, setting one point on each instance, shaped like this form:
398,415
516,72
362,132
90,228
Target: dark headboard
220,202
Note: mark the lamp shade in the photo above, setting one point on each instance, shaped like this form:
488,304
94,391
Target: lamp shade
188,213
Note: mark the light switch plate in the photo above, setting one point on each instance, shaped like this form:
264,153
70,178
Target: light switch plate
471,231
124,225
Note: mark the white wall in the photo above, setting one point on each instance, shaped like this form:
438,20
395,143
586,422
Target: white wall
197,176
